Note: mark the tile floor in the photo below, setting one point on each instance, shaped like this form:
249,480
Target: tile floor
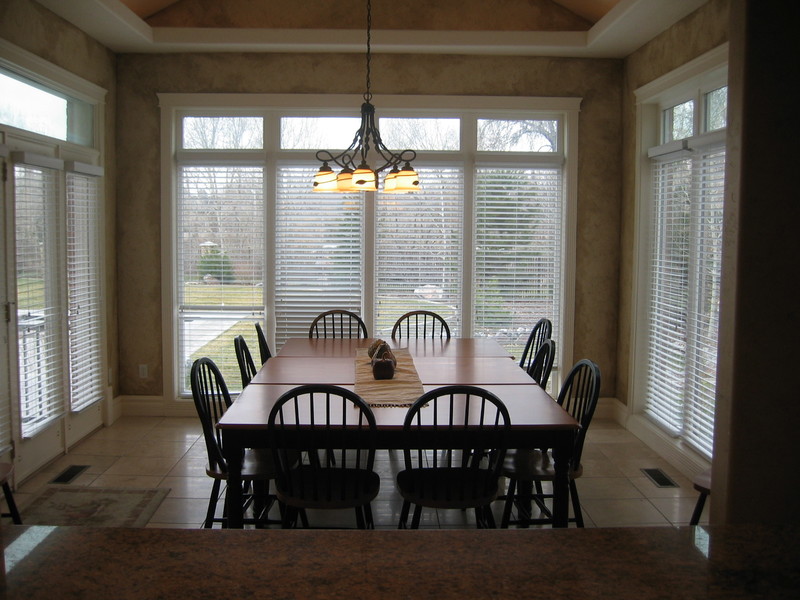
149,452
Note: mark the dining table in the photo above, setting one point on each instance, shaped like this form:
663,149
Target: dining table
537,421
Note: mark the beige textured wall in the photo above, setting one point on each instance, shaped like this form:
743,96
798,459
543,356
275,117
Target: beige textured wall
141,77
703,30
35,29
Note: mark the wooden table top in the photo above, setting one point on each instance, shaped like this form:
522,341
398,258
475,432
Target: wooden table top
306,347
530,407
340,370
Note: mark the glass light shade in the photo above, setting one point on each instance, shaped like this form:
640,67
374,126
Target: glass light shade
325,180
390,183
364,178
407,179
344,181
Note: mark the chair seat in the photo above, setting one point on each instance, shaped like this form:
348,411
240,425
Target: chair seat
448,488
531,465
331,488
257,465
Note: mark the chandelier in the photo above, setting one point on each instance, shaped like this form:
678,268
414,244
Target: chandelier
353,177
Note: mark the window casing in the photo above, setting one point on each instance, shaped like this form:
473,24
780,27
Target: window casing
380,254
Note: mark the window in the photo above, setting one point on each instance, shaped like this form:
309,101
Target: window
28,105
482,243
219,280
681,265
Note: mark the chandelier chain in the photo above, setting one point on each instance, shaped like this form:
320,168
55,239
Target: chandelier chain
368,94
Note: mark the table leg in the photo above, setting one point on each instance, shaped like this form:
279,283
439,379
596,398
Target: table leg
233,495
562,453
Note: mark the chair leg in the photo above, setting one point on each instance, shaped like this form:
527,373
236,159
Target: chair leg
576,504
512,485
360,518
368,516
698,509
524,503
12,506
404,515
212,504
416,518
485,517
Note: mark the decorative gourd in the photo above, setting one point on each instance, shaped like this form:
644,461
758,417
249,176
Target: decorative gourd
383,361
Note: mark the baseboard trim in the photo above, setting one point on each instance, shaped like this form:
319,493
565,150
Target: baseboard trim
610,409
676,453
155,406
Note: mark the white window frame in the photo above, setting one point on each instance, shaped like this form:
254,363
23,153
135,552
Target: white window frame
691,81
173,106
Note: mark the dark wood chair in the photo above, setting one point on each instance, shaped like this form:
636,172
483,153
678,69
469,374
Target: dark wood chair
421,324
211,399
542,363
578,396
6,471
338,324
332,430
457,465
702,483
247,368
543,330
263,347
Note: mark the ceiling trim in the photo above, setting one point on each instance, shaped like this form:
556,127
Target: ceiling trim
625,28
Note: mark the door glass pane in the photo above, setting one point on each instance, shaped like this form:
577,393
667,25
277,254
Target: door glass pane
420,134
518,253
717,109
318,252
220,284
500,135
39,302
315,133
223,133
419,250
679,121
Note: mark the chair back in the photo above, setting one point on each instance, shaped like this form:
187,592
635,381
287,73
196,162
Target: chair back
543,330
421,324
211,399
263,347
317,432
542,363
457,427
247,368
338,324
578,396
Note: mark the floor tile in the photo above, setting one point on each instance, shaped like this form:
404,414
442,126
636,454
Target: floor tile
136,465
626,512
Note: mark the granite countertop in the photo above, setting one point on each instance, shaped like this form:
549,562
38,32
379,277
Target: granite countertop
640,563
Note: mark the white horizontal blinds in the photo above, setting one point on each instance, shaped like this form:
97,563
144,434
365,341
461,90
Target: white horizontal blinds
84,317
703,327
5,398
669,289
220,263
685,268
39,255
419,249
517,252
318,252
